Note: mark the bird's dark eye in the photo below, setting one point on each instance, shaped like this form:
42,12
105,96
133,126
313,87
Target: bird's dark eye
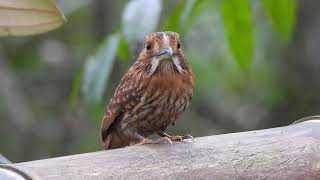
178,46
148,46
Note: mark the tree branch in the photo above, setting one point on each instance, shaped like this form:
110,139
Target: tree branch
290,152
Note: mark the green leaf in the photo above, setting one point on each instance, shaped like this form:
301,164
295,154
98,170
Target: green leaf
98,68
75,90
173,21
184,15
123,52
27,17
283,15
192,10
237,21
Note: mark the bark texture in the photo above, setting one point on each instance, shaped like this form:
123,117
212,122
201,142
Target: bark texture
291,152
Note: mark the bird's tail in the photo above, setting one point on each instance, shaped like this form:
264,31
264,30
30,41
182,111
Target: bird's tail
113,141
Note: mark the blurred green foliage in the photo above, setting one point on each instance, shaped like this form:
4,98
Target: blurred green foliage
98,68
236,49
283,15
237,18
185,13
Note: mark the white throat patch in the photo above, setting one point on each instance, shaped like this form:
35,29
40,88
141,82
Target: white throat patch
176,62
154,65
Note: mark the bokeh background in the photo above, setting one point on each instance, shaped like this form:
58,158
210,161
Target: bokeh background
256,65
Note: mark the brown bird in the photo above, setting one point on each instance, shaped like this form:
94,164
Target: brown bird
151,95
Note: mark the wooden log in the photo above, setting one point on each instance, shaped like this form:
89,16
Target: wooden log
291,152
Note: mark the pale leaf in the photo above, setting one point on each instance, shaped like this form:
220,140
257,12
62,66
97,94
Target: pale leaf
27,17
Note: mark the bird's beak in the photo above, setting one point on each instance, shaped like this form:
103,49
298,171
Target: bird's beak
166,52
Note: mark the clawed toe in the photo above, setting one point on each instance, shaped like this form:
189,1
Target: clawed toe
176,138
166,138
188,136
181,138
144,141
160,140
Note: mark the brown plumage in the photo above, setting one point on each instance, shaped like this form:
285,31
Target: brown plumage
151,95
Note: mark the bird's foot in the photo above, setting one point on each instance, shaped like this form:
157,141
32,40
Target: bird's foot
177,138
144,140
160,140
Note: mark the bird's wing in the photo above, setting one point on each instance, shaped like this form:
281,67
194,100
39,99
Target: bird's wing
125,98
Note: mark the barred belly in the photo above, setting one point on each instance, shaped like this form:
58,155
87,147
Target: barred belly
155,113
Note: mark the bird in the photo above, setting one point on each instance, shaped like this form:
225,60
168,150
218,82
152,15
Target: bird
155,90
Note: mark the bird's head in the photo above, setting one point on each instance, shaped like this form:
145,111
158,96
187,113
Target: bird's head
162,53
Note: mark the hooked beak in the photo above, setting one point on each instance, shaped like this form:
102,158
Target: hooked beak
166,52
